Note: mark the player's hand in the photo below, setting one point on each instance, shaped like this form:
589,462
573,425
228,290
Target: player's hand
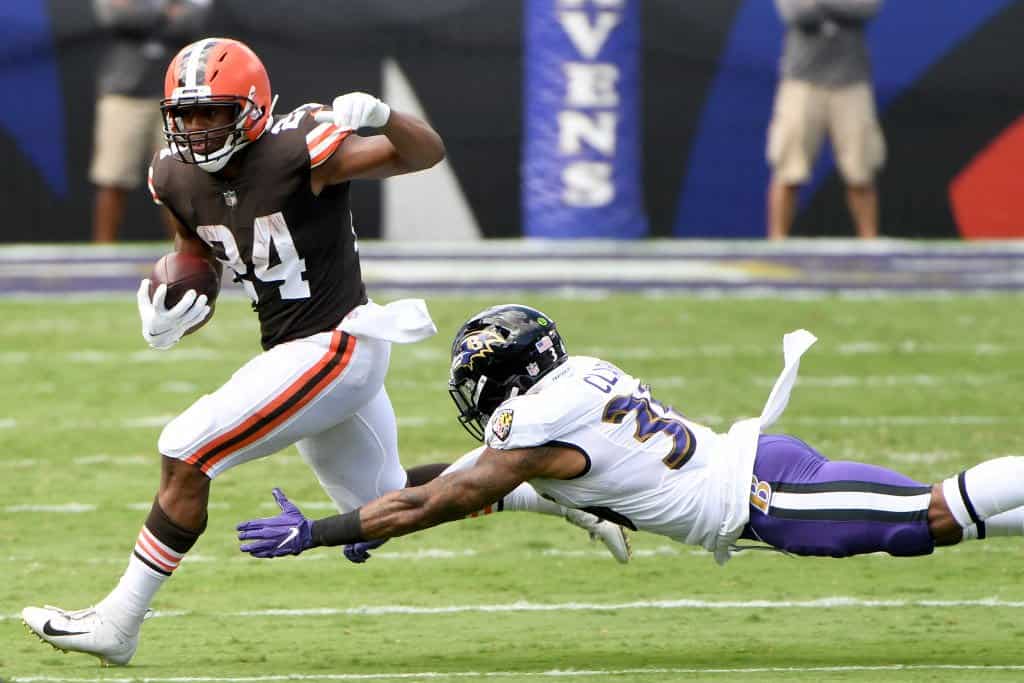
163,327
356,111
360,552
289,533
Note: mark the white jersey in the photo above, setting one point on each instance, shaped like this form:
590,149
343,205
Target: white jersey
649,466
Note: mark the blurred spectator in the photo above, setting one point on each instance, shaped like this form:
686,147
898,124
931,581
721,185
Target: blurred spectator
825,85
144,35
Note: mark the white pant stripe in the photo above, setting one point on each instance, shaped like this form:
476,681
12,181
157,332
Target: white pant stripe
850,500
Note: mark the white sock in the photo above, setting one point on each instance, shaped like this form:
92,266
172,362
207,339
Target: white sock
1010,523
466,461
525,498
126,605
152,562
979,494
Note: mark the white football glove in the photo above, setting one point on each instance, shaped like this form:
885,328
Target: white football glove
163,327
356,110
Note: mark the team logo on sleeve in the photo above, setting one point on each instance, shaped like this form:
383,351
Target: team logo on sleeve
501,425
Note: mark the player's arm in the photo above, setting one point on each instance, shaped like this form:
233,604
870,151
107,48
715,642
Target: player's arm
444,499
405,144
448,497
163,326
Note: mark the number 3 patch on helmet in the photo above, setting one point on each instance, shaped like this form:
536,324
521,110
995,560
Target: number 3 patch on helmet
501,425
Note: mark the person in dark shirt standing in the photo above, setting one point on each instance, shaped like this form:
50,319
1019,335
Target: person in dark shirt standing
143,36
825,86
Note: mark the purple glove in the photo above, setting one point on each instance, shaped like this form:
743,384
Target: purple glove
360,552
289,533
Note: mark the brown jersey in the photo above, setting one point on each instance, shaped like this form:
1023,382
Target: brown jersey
295,253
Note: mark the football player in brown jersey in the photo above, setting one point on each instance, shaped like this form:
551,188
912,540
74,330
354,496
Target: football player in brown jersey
268,197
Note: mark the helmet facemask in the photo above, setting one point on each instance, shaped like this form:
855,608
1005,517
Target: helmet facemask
464,394
217,144
477,400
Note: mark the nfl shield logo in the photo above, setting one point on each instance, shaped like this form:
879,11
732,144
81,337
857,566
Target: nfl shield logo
501,425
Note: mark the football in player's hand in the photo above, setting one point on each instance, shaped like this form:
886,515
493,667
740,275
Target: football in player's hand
182,272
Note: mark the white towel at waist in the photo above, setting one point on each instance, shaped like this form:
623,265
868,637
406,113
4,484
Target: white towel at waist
736,464
403,321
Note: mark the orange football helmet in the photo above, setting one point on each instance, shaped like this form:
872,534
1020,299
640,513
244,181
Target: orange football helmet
215,72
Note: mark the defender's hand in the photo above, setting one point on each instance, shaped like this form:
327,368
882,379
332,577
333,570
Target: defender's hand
163,327
355,111
289,533
360,552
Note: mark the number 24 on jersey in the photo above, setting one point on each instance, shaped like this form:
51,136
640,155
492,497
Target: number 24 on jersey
267,230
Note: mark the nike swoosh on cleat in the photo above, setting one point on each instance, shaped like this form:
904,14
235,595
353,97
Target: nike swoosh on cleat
51,631
292,533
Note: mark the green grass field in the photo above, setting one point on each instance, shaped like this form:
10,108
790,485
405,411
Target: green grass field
924,385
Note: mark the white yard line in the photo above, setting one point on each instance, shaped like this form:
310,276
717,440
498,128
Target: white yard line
158,422
429,554
832,602
662,673
424,421
147,505
41,326
841,381
104,459
99,356
73,508
178,387
851,348
928,458
902,420
826,381
836,602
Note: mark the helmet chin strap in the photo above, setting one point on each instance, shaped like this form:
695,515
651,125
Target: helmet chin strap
216,164
219,162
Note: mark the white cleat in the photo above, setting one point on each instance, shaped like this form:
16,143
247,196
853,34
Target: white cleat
612,535
83,630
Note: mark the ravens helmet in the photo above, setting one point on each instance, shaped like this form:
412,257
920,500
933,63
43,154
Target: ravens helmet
497,354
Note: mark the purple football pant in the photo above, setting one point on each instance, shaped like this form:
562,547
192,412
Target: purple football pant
834,509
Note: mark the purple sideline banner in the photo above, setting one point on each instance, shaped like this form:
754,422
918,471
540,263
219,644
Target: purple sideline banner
581,145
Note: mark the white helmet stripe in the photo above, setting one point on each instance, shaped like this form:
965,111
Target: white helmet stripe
195,60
